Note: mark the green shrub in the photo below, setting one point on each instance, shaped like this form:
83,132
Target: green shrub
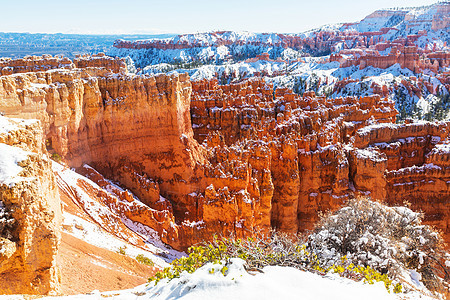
354,242
144,260
276,250
198,256
56,157
122,250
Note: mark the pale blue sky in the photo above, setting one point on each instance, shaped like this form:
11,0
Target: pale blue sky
184,16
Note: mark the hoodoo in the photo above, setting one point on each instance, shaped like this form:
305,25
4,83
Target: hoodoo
230,158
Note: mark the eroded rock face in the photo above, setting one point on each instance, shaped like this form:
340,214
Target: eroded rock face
30,212
305,137
415,158
407,56
325,151
135,129
208,159
10,66
100,60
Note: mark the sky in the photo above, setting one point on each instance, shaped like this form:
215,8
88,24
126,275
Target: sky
184,16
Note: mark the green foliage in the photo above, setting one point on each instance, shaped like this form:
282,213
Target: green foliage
366,273
198,256
121,250
144,260
56,157
276,250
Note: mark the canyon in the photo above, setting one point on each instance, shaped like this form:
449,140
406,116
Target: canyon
194,159
399,53
425,27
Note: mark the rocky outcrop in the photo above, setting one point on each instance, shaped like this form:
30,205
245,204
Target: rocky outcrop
410,57
30,212
44,63
208,159
117,205
305,136
323,151
10,66
441,19
100,60
87,119
408,163
86,114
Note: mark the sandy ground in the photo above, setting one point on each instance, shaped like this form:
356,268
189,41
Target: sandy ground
85,268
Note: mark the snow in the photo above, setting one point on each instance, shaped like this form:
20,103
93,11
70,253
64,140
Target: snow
440,149
10,157
375,127
6,125
193,224
371,154
106,221
274,282
11,124
95,235
415,277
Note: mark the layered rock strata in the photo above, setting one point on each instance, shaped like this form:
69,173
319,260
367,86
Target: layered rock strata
406,163
410,57
208,159
338,148
30,211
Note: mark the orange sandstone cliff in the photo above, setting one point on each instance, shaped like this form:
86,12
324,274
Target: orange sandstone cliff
30,211
208,159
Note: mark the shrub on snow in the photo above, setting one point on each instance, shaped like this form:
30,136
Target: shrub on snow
362,241
388,239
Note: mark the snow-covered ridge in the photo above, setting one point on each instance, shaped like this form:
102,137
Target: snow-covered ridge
216,38
273,283
405,20
213,52
108,227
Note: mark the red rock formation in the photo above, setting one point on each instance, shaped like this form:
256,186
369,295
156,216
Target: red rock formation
410,163
100,60
330,159
410,57
29,239
266,159
441,19
10,66
309,167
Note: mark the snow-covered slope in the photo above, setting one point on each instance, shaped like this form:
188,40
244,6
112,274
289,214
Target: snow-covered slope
371,56
104,225
272,283
430,22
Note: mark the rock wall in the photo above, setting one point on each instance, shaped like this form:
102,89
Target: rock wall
100,60
225,159
305,137
128,127
29,199
324,151
406,56
110,120
409,163
10,66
